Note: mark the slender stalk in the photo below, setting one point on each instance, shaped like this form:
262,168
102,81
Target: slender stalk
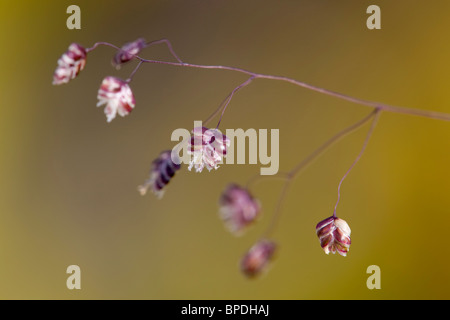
231,96
107,44
291,175
225,103
277,212
316,153
366,141
134,72
212,115
169,46
256,178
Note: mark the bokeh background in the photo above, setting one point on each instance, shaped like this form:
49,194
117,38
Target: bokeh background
68,179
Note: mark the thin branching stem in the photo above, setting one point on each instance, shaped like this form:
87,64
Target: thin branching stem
231,96
169,46
316,153
313,155
216,112
277,212
134,72
225,103
254,75
366,141
291,175
257,178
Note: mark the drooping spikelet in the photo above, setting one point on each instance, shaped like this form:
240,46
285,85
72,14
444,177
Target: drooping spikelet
334,235
238,208
207,147
128,51
162,171
70,64
116,94
256,260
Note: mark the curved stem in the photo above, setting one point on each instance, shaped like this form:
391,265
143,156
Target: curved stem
277,212
291,175
169,46
366,141
107,44
205,123
316,153
258,177
133,73
231,96
341,134
225,102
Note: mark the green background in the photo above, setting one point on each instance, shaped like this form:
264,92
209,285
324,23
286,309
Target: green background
68,179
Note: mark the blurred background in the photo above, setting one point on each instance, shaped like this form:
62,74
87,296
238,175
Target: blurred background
68,178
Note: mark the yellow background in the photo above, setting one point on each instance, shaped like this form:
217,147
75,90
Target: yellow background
68,179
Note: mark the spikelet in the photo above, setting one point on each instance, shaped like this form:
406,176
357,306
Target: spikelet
117,96
162,171
334,235
70,64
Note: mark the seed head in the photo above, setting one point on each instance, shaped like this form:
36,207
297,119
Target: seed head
256,260
238,209
162,171
117,96
70,64
207,147
334,235
128,52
